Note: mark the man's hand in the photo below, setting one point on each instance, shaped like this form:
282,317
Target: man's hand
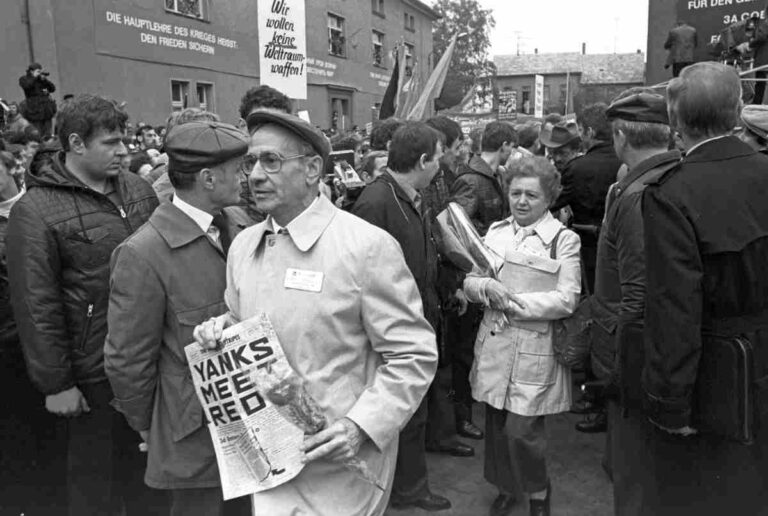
144,446
69,403
208,334
338,442
463,303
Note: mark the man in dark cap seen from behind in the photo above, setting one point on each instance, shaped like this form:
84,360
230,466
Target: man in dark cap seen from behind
706,246
754,127
168,277
641,136
348,314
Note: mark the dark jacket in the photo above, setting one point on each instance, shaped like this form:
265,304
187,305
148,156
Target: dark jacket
385,204
478,190
619,298
8,332
166,279
38,104
706,245
586,181
60,238
759,43
681,42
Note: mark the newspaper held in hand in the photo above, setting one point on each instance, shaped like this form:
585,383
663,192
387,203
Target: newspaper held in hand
257,428
256,447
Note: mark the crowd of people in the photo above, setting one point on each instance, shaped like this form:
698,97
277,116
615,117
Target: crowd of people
119,246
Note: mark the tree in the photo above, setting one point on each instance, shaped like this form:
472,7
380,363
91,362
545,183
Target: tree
470,64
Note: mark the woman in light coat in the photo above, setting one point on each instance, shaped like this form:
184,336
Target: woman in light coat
515,372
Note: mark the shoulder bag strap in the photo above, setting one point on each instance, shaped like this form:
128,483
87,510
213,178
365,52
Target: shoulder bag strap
553,255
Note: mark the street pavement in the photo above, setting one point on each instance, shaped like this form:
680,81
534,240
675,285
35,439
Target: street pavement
580,487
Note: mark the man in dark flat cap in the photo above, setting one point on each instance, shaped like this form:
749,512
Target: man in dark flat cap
348,314
754,127
167,278
641,138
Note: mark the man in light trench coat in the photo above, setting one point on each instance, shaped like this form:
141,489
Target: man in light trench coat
346,310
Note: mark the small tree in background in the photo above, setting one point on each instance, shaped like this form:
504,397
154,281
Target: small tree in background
470,64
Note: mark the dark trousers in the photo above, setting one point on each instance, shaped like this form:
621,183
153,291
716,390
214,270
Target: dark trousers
759,87
105,469
207,502
678,67
515,452
631,464
32,444
411,467
441,420
461,332
44,127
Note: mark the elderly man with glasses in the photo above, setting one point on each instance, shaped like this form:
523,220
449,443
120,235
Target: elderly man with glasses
346,310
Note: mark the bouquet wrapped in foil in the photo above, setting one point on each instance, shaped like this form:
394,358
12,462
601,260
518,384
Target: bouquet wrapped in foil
463,246
285,389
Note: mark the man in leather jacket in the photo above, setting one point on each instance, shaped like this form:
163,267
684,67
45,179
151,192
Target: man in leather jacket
61,233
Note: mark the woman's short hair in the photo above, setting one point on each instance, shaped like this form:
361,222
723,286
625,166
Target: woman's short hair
540,168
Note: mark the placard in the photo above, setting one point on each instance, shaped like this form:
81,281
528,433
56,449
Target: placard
710,17
283,46
538,99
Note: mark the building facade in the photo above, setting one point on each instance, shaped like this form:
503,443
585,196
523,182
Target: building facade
162,55
571,79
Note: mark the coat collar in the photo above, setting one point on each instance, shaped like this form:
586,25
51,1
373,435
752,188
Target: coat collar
400,192
718,149
547,227
175,226
647,165
479,165
306,229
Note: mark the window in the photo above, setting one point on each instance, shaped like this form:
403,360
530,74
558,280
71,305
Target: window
191,8
546,94
378,48
409,22
377,6
336,40
408,60
179,95
562,93
205,96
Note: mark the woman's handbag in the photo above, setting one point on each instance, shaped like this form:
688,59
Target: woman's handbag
571,336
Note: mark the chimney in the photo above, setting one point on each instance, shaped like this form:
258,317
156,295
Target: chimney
583,48
536,51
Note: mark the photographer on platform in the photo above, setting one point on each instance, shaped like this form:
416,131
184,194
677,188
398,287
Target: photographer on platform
39,107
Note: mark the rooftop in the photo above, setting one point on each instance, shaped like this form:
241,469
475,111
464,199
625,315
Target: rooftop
594,68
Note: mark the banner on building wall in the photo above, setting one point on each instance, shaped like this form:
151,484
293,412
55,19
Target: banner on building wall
711,17
538,96
125,29
283,46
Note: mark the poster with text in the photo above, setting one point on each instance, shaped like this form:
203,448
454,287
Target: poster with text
283,46
538,99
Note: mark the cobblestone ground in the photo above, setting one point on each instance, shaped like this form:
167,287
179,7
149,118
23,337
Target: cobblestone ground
580,487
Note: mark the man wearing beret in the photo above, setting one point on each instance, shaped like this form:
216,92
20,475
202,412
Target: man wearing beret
754,127
167,278
640,137
347,312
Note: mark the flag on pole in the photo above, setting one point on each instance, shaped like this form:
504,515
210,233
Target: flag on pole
410,95
424,105
391,100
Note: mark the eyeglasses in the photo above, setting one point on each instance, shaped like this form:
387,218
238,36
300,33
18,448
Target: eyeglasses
271,162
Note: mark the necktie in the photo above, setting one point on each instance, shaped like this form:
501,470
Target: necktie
214,235
220,223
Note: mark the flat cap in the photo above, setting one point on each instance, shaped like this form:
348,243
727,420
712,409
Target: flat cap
305,131
755,118
193,146
555,136
640,107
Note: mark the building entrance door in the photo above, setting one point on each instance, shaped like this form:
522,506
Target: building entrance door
340,110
